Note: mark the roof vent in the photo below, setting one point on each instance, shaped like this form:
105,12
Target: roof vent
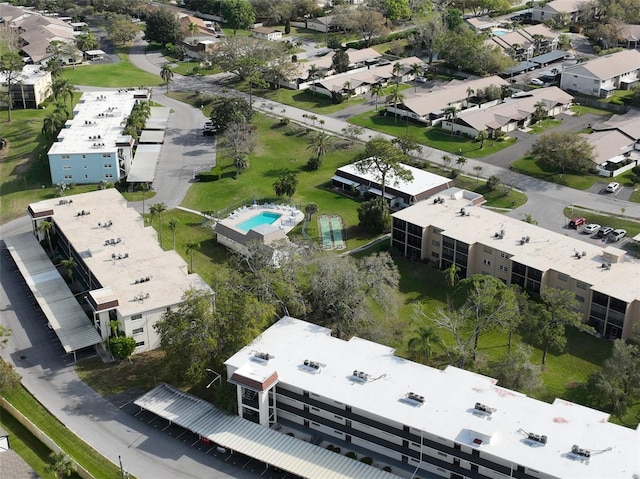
605,265
263,356
483,408
311,364
415,397
83,213
578,451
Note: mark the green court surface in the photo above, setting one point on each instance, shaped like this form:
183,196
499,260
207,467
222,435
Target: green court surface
331,232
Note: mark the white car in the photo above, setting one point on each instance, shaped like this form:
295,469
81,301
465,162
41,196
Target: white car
536,81
617,235
421,80
612,187
591,228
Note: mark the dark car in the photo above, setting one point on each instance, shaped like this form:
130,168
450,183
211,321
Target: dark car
576,222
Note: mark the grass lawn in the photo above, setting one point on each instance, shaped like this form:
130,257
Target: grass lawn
494,198
542,126
614,221
303,99
81,452
536,169
583,110
433,137
121,74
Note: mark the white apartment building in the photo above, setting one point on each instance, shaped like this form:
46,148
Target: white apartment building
128,277
427,422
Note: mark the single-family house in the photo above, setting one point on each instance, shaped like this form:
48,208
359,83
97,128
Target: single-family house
320,24
37,32
513,113
573,9
399,193
601,76
429,107
30,88
616,143
524,43
12,465
628,37
482,24
266,33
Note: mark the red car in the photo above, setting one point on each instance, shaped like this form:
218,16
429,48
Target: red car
576,222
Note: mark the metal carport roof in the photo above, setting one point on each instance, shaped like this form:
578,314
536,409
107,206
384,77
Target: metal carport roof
68,320
159,118
549,57
264,444
152,136
143,167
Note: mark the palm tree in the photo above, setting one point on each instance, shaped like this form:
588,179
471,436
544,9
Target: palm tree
173,225
311,209
158,209
415,69
470,93
313,73
347,87
62,89
461,161
397,70
540,110
320,144
46,227
241,163
69,265
166,73
193,29
482,136
423,340
191,247
377,90
51,125
395,97
451,276
61,465
451,112
537,42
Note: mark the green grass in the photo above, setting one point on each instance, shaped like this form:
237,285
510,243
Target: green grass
121,74
542,126
583,110
494,198
27,446
302,99
81,452
529,166
433,137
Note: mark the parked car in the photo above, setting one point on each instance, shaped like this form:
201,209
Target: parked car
604,231
576,222
617,235
209,129
612,187
536,81
591,228
422,80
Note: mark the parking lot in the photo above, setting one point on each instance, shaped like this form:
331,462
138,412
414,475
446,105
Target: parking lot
204,446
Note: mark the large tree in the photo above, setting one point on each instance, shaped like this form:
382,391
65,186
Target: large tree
230,110
564,151
238,14
368,23
208,327
557,309
11,65
340,61
238,142
393,10
374,216
319,144
163,27
516,371
121,29
383,161
286,185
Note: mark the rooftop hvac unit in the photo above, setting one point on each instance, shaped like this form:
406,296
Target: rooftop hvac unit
415,397
263,356
311,364
578,451
541,438
483,408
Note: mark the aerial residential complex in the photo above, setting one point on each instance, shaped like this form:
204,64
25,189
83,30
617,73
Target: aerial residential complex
127,276
452,423
450,230
91,147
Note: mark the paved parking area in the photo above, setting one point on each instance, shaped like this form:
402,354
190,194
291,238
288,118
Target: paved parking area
203,446
624,193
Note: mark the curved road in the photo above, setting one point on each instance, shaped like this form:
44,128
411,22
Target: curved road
51,377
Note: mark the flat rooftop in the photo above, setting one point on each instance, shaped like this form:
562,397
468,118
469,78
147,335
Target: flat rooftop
97,122
448,410
422,180
545,250
134,254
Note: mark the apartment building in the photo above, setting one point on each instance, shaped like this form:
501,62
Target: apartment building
91,148
423,421
450,230
126,274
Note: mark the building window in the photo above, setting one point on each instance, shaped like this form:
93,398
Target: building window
84,157
580,299
68,177
139,343
84,166
108,175
435,242
137,331
504,268
487,262
106,155
581,285
64,157
437,231
66,167
107,165
136,316
435,255
505,255
563,277
86,177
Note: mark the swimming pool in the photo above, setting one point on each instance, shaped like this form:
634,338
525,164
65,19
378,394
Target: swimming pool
264,218
498,32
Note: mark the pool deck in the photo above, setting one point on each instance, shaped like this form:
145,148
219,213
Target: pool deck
291,216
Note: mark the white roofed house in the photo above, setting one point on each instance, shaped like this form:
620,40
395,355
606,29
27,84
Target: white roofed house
29,88
601,76
513,113
266,33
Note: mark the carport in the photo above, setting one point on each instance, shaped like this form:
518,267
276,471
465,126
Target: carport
159,118
550,57
143,167
152,136
60,307
266,445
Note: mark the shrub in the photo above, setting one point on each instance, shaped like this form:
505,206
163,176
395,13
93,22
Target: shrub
493,182
367,460
330,447
336,449
453,174
207,177
314,163
352,455
386,469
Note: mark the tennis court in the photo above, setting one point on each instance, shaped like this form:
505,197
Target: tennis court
331,228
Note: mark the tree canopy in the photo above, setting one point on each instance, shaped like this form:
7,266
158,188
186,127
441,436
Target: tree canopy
227,111
383,161
163,27
238,14
120,28
564,150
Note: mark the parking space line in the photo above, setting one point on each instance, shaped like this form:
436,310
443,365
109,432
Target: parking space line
180,435
247,463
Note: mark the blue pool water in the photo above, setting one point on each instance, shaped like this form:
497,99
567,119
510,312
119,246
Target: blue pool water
264,218
498,33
